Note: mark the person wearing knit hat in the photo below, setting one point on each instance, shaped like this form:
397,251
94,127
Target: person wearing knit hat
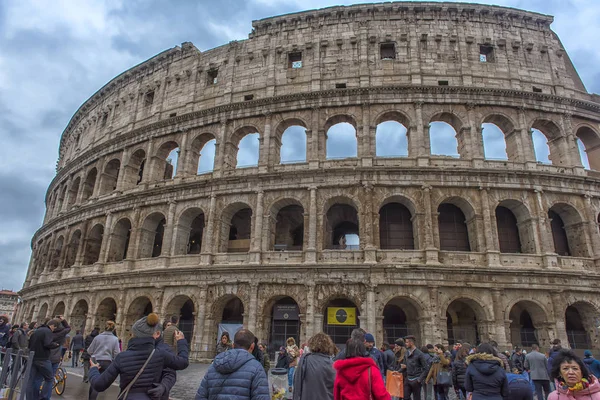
141,354
375,354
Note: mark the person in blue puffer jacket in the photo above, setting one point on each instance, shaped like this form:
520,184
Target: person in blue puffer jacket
235,374
591,363
128,363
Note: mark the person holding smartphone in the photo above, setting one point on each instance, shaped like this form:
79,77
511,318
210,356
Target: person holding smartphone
103,350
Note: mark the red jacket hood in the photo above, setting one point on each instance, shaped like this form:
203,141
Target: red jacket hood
351,369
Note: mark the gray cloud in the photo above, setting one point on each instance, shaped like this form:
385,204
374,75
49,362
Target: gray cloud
56,54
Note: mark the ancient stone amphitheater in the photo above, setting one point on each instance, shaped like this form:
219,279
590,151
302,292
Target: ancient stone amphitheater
463,247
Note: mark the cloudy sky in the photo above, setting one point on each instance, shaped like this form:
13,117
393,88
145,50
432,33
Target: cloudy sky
55,54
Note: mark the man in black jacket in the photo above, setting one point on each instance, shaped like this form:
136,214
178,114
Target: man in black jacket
85,357
41,368
416,368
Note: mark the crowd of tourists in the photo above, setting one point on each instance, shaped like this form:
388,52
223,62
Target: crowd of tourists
314,370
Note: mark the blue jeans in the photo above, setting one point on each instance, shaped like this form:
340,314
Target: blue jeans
291,376
41,371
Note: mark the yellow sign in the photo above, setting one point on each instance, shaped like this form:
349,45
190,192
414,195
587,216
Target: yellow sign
341,316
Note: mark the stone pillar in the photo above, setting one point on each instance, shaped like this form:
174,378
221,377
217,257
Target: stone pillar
81,247
437,315
168,240
550,258
371,313
499,318
418,136
258,228
491,245
121,176
106,237
364,138
208,241
312,147
253,307
431,252
65,203
310,328
475,145
99,173
264,159
219,163
526,141
368,216
200,321
559,305
318,322
592,228
311,250
182,164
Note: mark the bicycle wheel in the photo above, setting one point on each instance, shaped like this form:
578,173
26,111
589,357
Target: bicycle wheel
60,380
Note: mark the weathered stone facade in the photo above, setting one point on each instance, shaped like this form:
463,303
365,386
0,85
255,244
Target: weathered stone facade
120,240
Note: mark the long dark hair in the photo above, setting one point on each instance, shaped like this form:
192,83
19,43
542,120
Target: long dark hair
567,356
355,348
487,348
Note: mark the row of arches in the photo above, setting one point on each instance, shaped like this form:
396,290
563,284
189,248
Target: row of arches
464,319
457,228
447,136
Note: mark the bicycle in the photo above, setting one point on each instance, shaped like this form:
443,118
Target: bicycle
60,380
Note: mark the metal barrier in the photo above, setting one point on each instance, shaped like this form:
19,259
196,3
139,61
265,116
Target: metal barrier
15,375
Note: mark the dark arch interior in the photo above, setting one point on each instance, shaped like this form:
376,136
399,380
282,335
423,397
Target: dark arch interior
559,234
289,228
454,234
508,231
339,333
195,240
576,332
395,227
240,231
158,238
233,312
285,323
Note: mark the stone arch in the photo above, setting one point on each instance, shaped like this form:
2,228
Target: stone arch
446,148
139,307
282,322
581,324
340,333
553,134
120,240
401,316
134,169
72,248
391,134
286,131
106,311
591,142
246,156
59,309
108,180
525,225
528,323
42,313
196,158
190,231
57,252
60,199
88,185
287,225
152,235
164,168
465,320
73,192
456,234
400,212
336,128
505,125
568,230
184,308
341,220
79,315
239,229
93,243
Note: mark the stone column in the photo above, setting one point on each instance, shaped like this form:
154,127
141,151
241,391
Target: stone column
559,305
208,242
312,147
168,240
437,315
258,227
310,328
368,226
311,250
592,228
491,245
371,327
431,252
418,136
200,320
121,176
475,145
264,155
253,307
219,163
99,173
364,138
65,204
526,141
550,258
106,237
182,164
499,318
81,247
318,322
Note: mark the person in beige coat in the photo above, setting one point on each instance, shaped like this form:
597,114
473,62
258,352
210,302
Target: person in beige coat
439,364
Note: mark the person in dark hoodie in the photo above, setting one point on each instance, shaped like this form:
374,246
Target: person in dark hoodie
315,376
358,376
140,349
485,376
85,357
59,335
19,339
239,366
592,364
41,369
459,370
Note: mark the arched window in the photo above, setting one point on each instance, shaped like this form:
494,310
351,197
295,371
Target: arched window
391,140
289,228
171,165
395,227
559,234
341,141
248,151
494,143
454,234
508,231
119,244
152,233
540,146
194,245
548,142
88,186
206,161
73,192
93,244
443,140
165,162
72,248
134,170
240,231
57,252
108,182
342,231
293,145
588,142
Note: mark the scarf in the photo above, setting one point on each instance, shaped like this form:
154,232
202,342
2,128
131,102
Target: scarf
581,385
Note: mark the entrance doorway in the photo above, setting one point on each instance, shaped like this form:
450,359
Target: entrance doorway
285,323
340,319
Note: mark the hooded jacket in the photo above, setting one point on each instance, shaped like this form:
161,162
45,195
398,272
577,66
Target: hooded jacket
591,393
128,363
234,375
352,380
41,343
104,347
593,365
486,378
19,340
459,369
314,377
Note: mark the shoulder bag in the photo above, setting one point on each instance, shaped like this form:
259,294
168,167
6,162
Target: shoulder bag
125,392
444,378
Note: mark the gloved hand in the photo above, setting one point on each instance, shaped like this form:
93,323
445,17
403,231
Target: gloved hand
157,391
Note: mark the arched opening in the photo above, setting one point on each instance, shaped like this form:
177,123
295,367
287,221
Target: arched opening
391,139
231,318
454,233
189,232
93,243
340,318
341,229
589,147
88,185
183,307
72,248
79,316
289,228
59,309
248,151
568,231
43,313
284,323
341,141
108,181
119,242
462,322
107,311
202,154
61,198
494,142
140,307
443,136
134,170
56,253
395,227
152,235
508,231
165,162
576,330
240,232
525,225
549,145
400,319
73,192
540,147
293,145
526,320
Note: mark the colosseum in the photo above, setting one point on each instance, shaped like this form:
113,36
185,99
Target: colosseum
153,206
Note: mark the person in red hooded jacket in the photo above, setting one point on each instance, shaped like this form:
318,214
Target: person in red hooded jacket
358,377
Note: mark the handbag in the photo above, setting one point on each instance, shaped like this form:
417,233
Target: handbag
394,384
443,378
125,392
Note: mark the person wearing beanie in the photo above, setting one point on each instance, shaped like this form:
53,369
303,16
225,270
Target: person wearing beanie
375,354
592,364
141,350
104,348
